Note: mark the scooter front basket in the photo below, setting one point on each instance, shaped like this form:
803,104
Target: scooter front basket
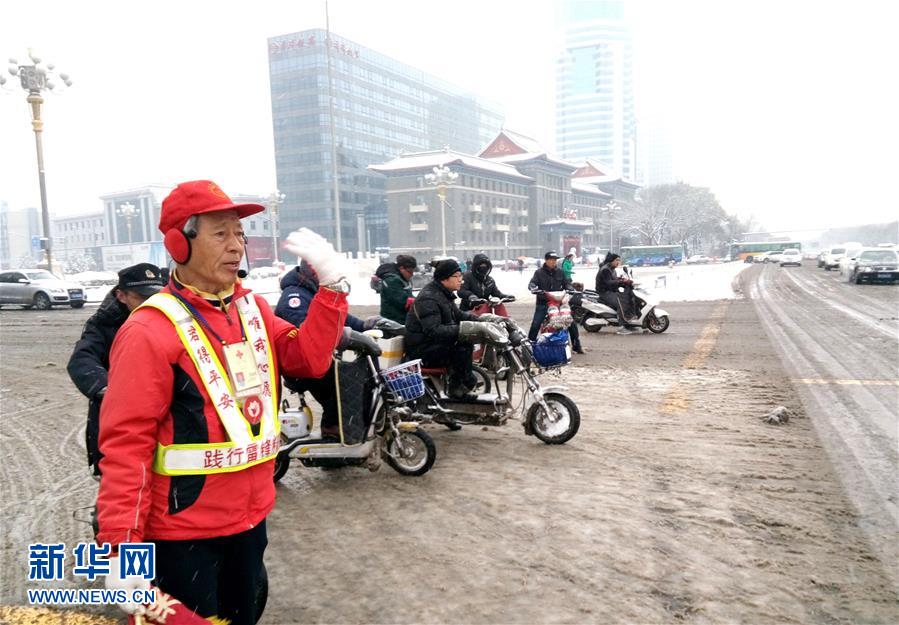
405,381
552,350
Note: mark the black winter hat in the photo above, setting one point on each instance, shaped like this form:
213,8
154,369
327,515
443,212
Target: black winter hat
143,278
549,255
446,268
609,258
406,262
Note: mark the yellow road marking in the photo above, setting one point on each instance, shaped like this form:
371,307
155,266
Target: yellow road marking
844,382
677,401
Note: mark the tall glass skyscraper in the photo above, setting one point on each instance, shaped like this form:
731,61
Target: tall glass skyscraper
381,108
594,87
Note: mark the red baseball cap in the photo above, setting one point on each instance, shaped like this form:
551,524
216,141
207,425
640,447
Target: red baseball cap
197,197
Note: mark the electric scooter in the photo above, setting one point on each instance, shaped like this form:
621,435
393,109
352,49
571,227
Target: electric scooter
373,423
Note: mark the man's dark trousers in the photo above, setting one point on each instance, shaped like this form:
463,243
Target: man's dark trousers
214,576
457,358
539,316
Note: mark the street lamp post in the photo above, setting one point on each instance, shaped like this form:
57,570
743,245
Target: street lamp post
611,207
35,79
274,202
442,177
129,211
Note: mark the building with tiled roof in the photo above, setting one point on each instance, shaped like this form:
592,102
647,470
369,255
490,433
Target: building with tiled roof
513,199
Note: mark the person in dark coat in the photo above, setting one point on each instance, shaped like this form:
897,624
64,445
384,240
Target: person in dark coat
395,287
298,287
89,363
607,285
477,284
442,335
550,277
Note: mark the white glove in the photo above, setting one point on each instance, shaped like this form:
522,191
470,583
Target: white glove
114,582
314,249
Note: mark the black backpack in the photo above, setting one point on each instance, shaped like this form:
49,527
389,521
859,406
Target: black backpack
377,280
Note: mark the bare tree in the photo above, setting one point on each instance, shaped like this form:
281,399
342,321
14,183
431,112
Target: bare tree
678,214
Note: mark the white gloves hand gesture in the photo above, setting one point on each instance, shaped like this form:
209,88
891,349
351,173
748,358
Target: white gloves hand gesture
115,582
321,256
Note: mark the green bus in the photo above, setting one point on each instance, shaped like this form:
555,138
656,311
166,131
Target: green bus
642,255
756,248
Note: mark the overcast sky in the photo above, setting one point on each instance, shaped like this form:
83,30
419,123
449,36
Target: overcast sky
786,109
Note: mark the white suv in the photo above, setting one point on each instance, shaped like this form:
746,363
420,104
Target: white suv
791,256
38,288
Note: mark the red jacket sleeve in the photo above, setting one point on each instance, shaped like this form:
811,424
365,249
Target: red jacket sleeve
305,352
137,400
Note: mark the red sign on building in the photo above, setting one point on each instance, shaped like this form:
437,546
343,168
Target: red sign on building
260,251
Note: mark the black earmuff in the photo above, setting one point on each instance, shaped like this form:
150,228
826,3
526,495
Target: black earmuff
178,244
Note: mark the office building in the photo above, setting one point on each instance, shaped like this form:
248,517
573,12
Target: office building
594,85
381,108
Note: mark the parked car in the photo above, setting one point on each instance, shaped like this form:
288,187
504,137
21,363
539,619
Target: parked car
875,265
698,259
773,256
832,257
38,288
791,256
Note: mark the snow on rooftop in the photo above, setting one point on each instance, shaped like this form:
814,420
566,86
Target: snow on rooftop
581,223
576,185
435,158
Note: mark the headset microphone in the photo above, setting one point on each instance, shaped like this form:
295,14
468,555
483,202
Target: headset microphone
243,273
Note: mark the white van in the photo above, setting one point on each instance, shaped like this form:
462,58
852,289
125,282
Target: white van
832,257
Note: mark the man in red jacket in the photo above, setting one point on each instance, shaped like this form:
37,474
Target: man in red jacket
189,425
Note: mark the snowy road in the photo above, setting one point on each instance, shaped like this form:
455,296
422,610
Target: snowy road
840,343
674,502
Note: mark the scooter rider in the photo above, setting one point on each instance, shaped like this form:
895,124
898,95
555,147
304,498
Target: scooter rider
298,289
395,287
441,334
188,428
89,363
550,277
478,285
607,285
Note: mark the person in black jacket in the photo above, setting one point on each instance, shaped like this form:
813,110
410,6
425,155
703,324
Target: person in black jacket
550,277
477,284
298,287
441,334
607,285
89,364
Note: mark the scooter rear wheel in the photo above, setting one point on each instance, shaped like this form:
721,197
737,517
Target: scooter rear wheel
282,463
559,427
261,592
420,453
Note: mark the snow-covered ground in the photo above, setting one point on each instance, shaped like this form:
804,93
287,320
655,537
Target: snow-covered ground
676,284
680,283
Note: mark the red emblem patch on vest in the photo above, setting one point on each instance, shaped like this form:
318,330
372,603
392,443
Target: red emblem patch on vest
252,409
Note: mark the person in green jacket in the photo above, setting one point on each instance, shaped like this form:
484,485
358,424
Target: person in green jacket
395,287
568,266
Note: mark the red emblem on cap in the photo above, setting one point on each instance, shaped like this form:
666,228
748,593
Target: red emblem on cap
216,190
252,409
